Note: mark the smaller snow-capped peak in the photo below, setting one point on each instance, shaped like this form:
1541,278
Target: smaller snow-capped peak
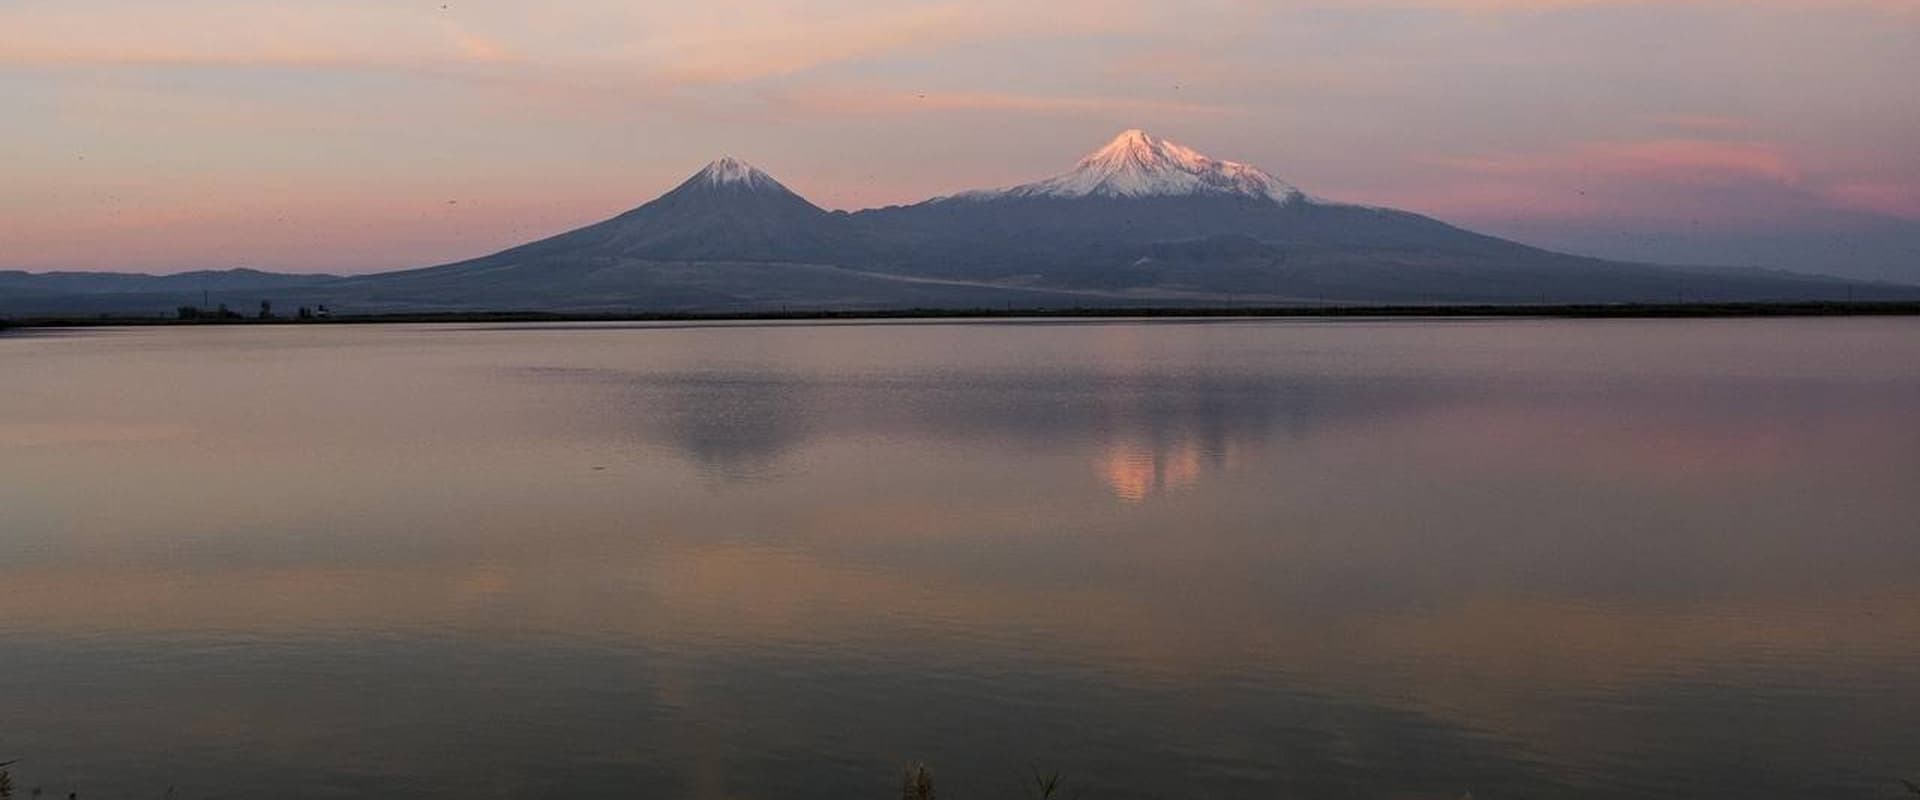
730,171
1136,164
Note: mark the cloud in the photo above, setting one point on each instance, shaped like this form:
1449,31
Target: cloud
1895,7
1665,160
1703,123
1892,198
736,53
480,49
876,101
1655,184
727,42
235,34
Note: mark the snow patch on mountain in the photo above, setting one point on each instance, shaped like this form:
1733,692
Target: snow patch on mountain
1135,164
731,171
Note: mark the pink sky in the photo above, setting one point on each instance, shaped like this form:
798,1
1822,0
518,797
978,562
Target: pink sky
354,135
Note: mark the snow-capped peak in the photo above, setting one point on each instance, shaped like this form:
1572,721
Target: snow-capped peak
1136,164
730,171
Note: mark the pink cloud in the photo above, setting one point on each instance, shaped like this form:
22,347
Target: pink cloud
1893,7
1665,160
347,36
1664,181
1897,199
1704,123
296,226
839,101
1656,184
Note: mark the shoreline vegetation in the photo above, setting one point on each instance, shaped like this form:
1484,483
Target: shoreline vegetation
1549,311
916,784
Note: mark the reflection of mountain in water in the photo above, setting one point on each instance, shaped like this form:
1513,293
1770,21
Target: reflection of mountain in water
1145,432
1136,469
736,426
1167,436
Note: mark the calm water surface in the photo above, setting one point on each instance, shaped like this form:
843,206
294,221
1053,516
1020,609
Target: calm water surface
1239,559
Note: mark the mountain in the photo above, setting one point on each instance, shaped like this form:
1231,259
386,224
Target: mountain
1140,221
1145,216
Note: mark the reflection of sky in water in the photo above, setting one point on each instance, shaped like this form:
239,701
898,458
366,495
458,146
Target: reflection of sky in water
1233,559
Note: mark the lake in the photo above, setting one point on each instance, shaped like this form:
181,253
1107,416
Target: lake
1181,559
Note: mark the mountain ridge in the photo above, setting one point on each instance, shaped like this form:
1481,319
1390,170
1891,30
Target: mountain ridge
1139,220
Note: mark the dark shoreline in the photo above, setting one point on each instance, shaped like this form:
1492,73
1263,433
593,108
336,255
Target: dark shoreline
1554,311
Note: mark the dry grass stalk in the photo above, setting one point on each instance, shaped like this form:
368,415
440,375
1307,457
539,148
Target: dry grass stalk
918,784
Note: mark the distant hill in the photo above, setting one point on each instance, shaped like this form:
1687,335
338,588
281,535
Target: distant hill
108,282
1841,243
1141,221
